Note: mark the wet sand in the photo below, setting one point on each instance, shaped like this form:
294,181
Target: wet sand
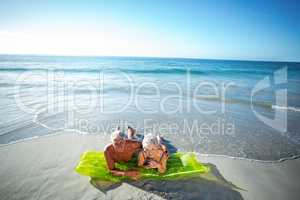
43,168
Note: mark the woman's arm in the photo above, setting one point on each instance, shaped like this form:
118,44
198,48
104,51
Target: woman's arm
162,167
141,158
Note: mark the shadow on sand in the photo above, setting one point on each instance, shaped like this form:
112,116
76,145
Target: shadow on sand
209,186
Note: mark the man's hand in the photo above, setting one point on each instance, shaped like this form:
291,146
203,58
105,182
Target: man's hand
135,175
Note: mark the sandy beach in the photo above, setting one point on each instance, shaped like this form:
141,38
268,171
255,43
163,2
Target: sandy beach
43,168
208,93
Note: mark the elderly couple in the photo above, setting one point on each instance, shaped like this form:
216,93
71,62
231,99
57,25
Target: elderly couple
151,153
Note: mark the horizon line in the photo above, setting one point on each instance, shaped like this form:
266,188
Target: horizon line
155,57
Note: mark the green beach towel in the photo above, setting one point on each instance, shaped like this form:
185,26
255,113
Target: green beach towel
93,164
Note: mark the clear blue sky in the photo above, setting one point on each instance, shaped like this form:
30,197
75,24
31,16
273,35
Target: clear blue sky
251,30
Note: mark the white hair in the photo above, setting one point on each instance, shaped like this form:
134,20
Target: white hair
116,134
150,140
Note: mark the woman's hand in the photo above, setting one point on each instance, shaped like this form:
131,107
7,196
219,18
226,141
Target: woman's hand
153,164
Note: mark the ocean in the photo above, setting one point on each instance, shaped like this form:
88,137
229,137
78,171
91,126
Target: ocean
246,109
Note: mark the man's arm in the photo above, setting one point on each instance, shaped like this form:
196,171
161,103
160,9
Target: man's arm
111,166
134,144
111,163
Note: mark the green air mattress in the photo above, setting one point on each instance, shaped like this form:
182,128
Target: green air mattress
93,164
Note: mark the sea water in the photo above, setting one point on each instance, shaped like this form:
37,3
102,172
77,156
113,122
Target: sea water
245,109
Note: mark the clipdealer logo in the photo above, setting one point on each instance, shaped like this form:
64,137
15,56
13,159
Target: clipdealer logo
279,122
